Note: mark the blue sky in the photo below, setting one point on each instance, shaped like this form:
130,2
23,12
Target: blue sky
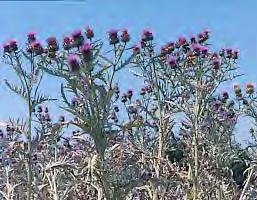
233,23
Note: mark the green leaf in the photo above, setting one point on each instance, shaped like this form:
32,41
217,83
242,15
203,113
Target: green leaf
20,90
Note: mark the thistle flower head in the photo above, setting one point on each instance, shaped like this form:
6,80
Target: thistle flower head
147,35
143,91
249,88
86,47
167,48
125,37
197,47
204,50
181,40
237,90
203,36
222,52
124,98
216,104
13,45
225,95
89,32
77,38
113,36
51,41
235,54
206,32
36,47
193,39
171,60
86,51
31,36
73,63
136,49
39,109
67,42
116,109
229,53
129,93
76,33
7,47
215,62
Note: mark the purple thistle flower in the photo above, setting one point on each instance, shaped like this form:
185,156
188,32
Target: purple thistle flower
200,35
171,60
113,36
86,52
89,32
229,53
125,37
235,54
136,49
229,50
167,48
222,52
204,50
206,32
124,98
73,63
216,104
7,48
181,40
31,36
66,42
77,38
131,109
143,91
76,33
225,95
116,109
13,45
216,63
193,39
51,41
39,109
52,44
196,47
36,47
163,50
129,93
203,36
86,47
147,35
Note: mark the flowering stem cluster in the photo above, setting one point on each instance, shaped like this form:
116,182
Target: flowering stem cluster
133,145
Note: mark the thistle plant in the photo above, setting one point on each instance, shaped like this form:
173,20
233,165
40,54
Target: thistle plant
173,138
26,64
185,76
89,76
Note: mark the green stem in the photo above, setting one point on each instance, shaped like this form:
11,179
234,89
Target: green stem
29,172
